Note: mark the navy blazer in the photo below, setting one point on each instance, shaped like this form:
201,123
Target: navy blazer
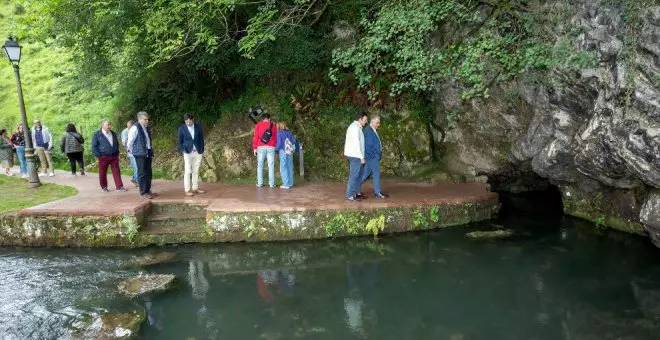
372,147
186,141
101,146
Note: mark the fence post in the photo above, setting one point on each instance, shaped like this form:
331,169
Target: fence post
302,161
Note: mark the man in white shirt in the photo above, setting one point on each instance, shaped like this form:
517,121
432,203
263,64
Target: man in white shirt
354,151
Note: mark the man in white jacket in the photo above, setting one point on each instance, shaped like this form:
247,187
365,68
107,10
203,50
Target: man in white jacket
354,151
42,139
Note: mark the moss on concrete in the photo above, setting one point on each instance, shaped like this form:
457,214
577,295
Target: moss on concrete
88,231
604,209
237,227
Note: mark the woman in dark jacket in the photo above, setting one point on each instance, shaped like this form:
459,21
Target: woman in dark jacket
72,145
18,142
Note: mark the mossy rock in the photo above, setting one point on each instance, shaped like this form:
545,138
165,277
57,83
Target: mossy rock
151,259
146,284
109,326
490,234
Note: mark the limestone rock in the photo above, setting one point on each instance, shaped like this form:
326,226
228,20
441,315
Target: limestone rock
108,326
650,216
490,234
145,284
151,259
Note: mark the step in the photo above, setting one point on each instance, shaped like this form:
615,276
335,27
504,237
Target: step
178,208
159,228
162,216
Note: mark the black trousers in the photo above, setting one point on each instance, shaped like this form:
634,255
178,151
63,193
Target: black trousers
144,174
73,158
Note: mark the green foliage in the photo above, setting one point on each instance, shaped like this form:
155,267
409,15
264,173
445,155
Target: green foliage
376,225
348,223
477,43
420,221
435,214
131,228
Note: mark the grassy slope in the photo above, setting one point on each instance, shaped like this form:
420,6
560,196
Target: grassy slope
15,194
48,89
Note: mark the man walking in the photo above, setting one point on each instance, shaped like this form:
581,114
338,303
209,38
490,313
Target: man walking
43,146
263,145
139,145
372,154
191,144
131,159
354,151
105,147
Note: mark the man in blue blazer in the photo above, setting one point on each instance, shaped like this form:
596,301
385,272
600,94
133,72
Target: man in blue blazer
372,153
191,144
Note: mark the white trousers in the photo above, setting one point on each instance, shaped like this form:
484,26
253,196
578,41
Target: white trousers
191,163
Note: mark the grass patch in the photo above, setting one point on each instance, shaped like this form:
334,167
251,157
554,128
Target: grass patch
15,195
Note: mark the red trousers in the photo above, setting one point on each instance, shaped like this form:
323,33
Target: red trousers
113,162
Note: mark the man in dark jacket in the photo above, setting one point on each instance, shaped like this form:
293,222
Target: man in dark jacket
139,145
191,144
105,147
372,154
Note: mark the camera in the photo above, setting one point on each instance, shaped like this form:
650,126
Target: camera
254,113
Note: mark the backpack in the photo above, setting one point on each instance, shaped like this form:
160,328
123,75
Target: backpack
265,137
288,146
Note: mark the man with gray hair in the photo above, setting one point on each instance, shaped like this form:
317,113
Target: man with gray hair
373,151
105,147
139,145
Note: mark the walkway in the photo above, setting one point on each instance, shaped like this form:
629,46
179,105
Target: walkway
90,201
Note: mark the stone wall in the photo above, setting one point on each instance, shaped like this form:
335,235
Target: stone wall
595,133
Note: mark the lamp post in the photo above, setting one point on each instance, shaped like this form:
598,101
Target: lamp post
13,52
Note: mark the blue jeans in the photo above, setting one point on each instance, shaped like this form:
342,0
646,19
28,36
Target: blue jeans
131,159
286,169
354,176
20,153
266,153
372,168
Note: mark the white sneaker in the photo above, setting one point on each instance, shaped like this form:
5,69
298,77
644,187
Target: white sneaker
284,187
52,174
24,176
42,174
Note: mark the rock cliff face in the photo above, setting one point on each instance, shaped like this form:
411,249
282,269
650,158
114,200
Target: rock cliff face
595,133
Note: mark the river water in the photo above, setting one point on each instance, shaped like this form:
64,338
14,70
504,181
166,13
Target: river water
556,279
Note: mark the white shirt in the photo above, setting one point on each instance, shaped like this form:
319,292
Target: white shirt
354,145
191,129
108,136
132,134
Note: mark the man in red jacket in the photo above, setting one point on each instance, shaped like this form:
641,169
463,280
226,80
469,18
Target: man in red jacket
263,145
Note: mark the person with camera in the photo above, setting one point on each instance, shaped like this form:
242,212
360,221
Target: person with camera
263,145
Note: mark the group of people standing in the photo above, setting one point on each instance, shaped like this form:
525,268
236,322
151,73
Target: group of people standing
270,138
362,147
43,142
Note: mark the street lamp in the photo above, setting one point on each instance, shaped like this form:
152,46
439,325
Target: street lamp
13,52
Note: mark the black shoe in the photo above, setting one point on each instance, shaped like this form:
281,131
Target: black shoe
360,196
381,195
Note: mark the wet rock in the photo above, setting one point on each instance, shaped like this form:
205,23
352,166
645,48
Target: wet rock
490,234
151,259
650,216
109,326
145,284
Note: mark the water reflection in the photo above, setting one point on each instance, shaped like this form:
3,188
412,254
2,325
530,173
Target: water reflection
551,283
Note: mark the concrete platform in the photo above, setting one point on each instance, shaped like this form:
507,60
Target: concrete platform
240,212
91,201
